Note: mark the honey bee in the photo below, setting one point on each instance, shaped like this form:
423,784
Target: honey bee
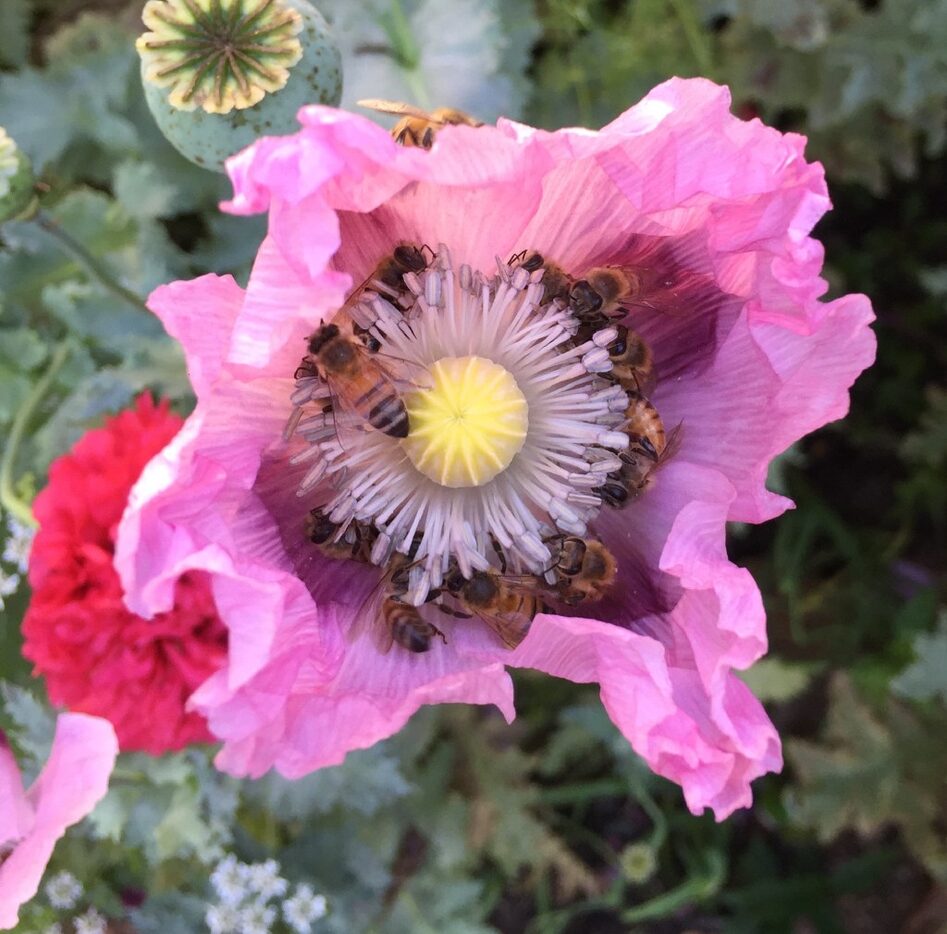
340,352
556,281
388,277
507,603
356,379
585,570
651,447
644,426
601,292
632,362
406,627
391,620
321,531
405,258
418,127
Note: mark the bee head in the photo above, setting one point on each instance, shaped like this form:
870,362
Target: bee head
480,590
618,346
584,299
322,337
410,258
319,528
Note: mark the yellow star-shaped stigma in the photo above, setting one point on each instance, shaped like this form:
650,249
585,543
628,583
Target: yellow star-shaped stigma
469,425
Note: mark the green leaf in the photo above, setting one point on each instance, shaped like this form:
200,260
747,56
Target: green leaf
33,721
868,771
928,443
169,913
143,191
80,96
22,348
851,779
14,31
171,807
97,221
926,678
37,114
772,679
366,781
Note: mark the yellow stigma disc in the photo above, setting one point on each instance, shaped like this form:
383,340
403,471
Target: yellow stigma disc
469,425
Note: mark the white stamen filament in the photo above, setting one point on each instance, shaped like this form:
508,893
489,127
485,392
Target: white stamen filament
548,488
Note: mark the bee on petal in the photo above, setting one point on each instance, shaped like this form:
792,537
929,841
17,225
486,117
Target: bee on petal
418,127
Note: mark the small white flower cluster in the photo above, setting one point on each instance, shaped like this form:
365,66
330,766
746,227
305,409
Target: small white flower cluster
90,923
16,551
63,890
303,908
245,892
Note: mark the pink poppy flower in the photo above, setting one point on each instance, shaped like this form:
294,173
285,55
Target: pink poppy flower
709,216
72,782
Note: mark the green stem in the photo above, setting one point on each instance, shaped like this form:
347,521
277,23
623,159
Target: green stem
585,791
659,822
695,889
85,259
8,496
123,774
396,25
696,38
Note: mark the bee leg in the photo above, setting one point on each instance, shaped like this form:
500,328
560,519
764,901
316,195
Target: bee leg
447,611
499,552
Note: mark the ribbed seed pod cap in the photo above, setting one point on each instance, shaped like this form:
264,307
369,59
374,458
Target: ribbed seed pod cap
219,74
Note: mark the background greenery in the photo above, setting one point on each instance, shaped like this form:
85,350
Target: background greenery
552,825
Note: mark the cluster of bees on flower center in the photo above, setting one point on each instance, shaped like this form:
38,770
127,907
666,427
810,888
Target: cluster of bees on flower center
345,362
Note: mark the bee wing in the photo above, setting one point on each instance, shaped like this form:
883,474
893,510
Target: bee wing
511,627
524,584
421,378
375,371
399,108
673,443
370,618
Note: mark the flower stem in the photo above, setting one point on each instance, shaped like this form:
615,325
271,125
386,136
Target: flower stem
694,35
8,495
85,259
697,888
405,48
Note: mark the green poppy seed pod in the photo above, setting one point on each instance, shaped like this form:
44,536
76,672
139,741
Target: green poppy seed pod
16,180
219,74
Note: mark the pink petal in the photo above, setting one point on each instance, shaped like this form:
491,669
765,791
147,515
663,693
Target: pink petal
712,746
72,782
719,211
200,314
16,816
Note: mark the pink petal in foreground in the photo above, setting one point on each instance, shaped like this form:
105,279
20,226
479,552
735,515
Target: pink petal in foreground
72,782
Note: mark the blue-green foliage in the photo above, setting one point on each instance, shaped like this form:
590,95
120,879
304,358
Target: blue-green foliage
461,823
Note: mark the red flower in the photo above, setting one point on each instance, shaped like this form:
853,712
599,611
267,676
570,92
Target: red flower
96,656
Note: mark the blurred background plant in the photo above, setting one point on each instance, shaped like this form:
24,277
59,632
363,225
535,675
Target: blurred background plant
552,825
